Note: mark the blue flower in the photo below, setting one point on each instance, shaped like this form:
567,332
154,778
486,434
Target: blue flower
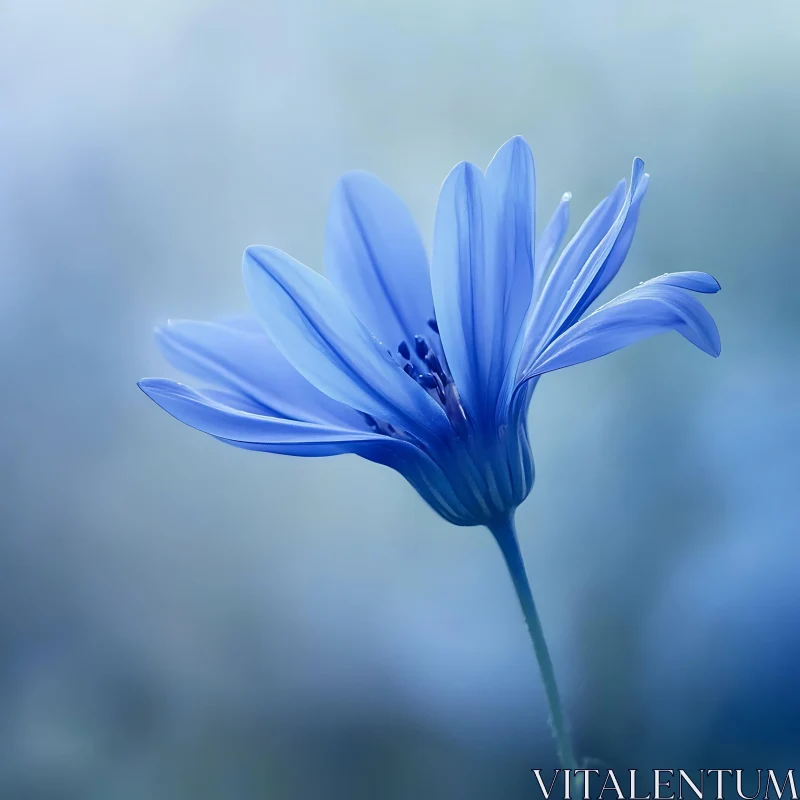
428,370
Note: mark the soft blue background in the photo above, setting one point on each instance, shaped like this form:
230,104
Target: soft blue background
183,620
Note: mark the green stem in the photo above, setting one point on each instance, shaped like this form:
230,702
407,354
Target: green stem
506,536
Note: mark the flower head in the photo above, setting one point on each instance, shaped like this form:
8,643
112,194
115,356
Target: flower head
426,369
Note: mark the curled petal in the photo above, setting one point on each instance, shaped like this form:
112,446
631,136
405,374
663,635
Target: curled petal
592,270
694,281
651,308
544,317
619,251
581,274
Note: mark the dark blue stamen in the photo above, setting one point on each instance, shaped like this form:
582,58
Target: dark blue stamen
433,325
427,381
421,346
410,370
402,348
371,421
433,363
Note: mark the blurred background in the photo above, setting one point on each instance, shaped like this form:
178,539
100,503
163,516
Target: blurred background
182,620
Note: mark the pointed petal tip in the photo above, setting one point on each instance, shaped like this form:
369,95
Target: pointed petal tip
153,388
257,252
464,166
637,171
148,385
355,174
463,171
354,178
259,258
247,258
160,331
169,330
566,197
714,338
713,342
616,196
518,141
693,281
514,155
514,142
249,253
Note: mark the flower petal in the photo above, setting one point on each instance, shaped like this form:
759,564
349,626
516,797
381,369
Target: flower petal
586,265
590,271
482,271
611,266
312,325
597,260
510,210
694,281
237,356
565,272
412,463
650,308
460,285
422,473
375,256
548,243
211,415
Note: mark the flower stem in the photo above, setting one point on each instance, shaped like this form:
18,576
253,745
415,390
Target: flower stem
506,536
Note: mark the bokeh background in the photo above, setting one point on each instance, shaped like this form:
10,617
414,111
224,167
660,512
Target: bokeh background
181,620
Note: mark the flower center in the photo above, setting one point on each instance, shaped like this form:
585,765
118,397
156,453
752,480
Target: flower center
423,365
